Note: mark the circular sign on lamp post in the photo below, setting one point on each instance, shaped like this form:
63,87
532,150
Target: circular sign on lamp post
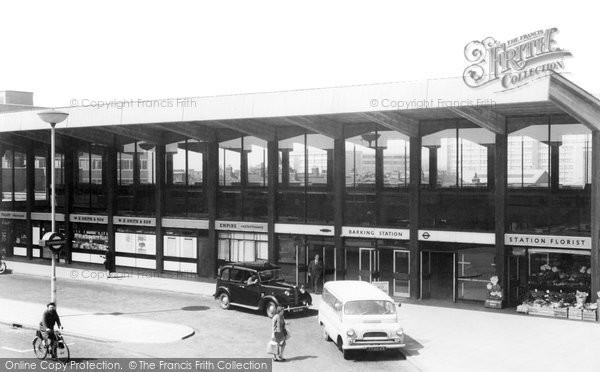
54,241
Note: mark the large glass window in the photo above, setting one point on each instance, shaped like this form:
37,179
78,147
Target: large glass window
396,159
475,268
460,194
41,178
559,272
360,161
230,162
528,157
7,175
243,247
89,185
185,179
305,179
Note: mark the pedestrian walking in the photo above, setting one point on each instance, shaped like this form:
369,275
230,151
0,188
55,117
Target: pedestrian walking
315,270
280,334
109,263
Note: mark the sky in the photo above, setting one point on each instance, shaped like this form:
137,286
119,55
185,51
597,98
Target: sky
67,52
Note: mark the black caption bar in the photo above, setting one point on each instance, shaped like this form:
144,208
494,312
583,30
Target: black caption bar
138,365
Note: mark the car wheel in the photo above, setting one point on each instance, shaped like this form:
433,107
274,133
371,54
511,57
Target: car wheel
224,301
324,333
270,309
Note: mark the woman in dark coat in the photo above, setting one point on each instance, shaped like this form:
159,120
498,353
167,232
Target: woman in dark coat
109,263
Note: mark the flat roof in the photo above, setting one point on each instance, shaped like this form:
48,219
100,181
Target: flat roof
400,106
355,290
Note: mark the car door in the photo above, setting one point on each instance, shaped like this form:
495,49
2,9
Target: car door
236,286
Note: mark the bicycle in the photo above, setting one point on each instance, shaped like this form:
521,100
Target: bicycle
57,348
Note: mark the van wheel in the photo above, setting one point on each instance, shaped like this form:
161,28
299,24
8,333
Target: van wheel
224,301
324,333
340,345
270,309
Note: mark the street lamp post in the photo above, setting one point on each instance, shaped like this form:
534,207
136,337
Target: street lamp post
53,117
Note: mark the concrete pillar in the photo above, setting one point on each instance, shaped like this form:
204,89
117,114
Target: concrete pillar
111,196
414,194
285,167
159,198
500,199
339,196
209,256
272,169
432,165
595,254
29,192
69,154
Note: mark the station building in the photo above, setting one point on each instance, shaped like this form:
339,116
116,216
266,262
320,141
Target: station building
431,187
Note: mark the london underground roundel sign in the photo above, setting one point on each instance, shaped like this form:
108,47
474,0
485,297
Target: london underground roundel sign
54,241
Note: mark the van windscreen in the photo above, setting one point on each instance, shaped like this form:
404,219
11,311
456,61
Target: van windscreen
369,307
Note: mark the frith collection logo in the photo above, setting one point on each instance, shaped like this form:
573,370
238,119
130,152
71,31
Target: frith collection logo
515,62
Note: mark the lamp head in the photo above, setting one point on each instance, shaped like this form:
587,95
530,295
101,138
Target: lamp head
53,116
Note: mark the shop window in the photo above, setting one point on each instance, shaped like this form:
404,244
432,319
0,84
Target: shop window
559,272
475,268
242,247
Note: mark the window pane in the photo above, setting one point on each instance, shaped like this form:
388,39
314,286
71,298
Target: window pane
40,178
575,149
292,154
396,158
256,150
528,164
7,175
229,162
360,161
320,155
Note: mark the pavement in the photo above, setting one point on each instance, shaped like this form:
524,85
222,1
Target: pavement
438,338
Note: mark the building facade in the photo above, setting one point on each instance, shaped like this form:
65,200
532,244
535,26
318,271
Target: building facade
430,202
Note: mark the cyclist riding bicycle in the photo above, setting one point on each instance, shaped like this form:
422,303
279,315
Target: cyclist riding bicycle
49,319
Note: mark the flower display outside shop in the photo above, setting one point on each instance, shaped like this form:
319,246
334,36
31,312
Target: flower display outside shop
561,292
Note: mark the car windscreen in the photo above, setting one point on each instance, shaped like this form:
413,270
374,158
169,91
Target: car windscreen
270,275
369,307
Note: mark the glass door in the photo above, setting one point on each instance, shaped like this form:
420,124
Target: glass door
368,263
401,287
425,275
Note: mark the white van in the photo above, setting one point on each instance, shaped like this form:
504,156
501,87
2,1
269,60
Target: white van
359,316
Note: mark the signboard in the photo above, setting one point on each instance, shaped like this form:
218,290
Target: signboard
134,221
54,241
548,241
14,215
375,233
88,218
241,226
457,237
301,229
384,286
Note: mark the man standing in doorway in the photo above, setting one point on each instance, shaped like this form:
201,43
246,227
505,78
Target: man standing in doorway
315,270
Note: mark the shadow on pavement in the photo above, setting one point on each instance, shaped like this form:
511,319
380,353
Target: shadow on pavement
302,357
412,346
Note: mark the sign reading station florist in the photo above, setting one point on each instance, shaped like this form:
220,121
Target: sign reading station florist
515,62
548,241
375,233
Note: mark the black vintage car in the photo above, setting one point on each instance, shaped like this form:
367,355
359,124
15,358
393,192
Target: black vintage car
258,286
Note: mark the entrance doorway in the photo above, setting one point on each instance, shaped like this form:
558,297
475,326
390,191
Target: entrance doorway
326,254
368,264
438,275
401,284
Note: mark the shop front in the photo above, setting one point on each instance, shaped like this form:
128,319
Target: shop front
297,245
456,266
551,275
135,242
183,242
90,238
13,234
242,241
379,256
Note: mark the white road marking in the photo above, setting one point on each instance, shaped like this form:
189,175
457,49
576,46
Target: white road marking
15,350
